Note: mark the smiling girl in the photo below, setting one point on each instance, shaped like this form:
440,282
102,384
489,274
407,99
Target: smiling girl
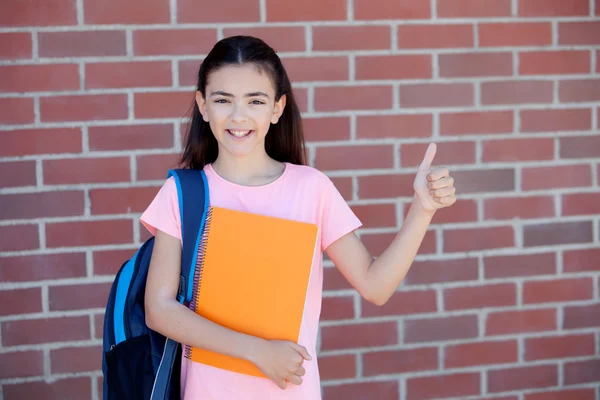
246,134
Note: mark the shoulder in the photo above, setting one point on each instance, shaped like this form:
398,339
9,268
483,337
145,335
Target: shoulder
308,174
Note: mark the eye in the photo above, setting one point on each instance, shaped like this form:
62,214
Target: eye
221,101
257,102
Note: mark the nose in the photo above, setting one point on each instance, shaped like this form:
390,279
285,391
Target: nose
238,114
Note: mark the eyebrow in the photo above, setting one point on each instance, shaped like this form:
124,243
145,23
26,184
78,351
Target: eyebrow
251,94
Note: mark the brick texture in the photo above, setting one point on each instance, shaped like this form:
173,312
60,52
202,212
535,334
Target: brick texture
502,301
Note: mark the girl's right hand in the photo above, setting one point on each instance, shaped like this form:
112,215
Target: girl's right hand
281,361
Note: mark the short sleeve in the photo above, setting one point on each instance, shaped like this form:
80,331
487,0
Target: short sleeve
337,217
163,211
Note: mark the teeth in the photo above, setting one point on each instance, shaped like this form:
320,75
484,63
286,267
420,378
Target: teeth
239,133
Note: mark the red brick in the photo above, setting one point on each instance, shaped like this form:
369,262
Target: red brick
89,233
31,13
456,270
393,126
77,388
335,308
519,265
435,36
162,104
344,186
337,367
377,243
385,186
577,317
121,200
578,372
334,280
475,64
434,387
86,170
15,45
75,359
557,290
40,141
126,12
21,301
473,8
474,239
340,38
554,62
41,205
517,92
511,322
17,173
42,266
188,72
353,98
108,262
280,38
580,147
557,233
82,44
471,297
440,328
394,67
536,178
474,122
305,69
518,150
403,303
19,237
382,390
518,207
130,137
128,74
173,42
480,353
515,34
543,348
326,128
553,8
354,157
556,120
16,110
564,394
382,9
579,33
437,95
579,90
301,98
581,204
448,153
359,335
309,10
400,361
22,364
89,107
39,78
376,215
155,166
519,378
78,297
493,180
45,330
462,211
585,260
189,11
99,325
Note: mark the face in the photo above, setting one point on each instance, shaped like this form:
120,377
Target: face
240,106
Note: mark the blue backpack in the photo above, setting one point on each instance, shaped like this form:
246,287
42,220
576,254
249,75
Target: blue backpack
137,362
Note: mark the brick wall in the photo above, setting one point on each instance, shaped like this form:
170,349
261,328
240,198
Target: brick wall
503,301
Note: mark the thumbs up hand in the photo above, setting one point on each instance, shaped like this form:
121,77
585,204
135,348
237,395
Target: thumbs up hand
434,189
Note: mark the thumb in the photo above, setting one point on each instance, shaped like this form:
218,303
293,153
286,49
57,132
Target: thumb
428,159
302,350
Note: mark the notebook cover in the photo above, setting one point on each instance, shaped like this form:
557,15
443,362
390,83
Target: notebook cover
252,276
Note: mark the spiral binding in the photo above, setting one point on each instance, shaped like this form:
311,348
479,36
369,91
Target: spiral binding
199,270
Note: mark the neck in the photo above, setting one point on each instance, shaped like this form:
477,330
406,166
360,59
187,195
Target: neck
248,171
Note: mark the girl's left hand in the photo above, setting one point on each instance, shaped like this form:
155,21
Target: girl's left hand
434,189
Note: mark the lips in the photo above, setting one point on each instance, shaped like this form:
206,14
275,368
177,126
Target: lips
238,133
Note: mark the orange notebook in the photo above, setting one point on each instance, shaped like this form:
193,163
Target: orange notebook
252,276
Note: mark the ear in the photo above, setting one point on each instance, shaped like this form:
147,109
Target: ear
278,109
201,102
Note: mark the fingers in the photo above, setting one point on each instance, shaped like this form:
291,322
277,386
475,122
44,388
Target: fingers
439,193
438,173
295,379
447,181
428,159
282,383
302,350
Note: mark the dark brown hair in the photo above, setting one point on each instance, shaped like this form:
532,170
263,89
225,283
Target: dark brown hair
284,141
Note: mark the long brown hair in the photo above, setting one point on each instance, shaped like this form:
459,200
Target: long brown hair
284,141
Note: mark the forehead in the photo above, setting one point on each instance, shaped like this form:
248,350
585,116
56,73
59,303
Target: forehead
240,79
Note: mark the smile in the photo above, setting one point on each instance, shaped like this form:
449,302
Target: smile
239,133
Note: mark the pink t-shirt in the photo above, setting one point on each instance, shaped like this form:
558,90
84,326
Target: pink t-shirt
301,193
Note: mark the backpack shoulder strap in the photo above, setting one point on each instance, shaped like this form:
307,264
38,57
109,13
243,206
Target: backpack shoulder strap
192,191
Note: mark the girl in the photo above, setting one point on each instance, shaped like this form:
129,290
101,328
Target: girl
246,134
